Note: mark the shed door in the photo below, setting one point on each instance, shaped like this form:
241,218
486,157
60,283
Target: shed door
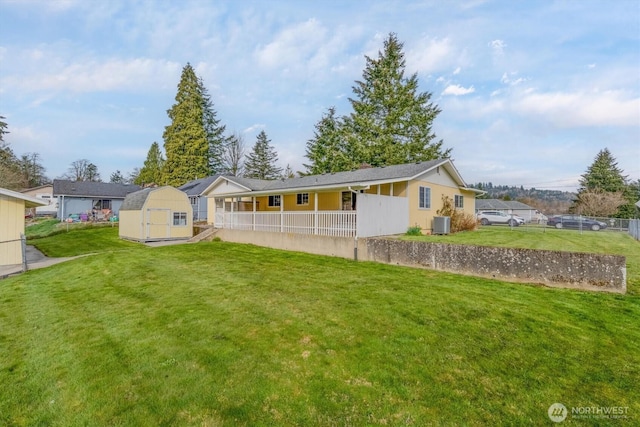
158,223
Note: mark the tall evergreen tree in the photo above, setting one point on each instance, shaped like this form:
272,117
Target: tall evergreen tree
327,150
261,162
214,131
186,141
151,172
603,175
391,121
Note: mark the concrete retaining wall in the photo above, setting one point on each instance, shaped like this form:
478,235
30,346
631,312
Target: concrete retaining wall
598,272
320,245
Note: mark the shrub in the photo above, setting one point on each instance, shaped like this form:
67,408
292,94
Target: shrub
460,221
414,231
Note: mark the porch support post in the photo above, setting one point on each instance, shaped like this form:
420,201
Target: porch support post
232,214
282,213
254,213
391,189
315,213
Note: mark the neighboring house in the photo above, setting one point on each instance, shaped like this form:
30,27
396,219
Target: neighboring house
361,203
160,213
44,193
12,207
86,198
510,207
194,190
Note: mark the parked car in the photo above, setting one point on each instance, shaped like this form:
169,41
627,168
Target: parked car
497,217
575,221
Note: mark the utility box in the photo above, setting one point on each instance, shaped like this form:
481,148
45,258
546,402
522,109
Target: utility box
441,225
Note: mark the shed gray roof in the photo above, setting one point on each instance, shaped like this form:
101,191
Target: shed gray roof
62,187
197,187
497,204
134,201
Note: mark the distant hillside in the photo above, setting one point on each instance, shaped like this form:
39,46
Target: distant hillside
546,201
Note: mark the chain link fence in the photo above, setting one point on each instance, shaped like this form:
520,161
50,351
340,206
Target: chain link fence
634,228
11,248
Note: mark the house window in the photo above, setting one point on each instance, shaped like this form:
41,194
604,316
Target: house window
459,201
425,197
102,204
302,198
193,200
179,218
274,201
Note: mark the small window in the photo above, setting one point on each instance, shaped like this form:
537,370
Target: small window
102,204
302,199
179,218
274,201
459,201
425,197
193,200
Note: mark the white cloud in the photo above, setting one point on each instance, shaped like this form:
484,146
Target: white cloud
95,76
497,46
510,79
431,55
292,45
458,90
581,109
457,71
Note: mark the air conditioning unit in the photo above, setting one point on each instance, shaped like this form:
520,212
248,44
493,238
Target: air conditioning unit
441,225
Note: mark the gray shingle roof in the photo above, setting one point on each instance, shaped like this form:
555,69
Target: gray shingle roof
387,173
196,187
134,201
62,187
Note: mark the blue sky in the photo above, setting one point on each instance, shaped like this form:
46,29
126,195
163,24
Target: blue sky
530,91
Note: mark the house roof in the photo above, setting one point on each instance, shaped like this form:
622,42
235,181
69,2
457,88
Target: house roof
197,186
29,202
62,187
360,177
497,204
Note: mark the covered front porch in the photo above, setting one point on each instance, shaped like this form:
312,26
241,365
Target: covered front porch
363,215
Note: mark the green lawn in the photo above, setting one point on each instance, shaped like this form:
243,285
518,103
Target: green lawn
225,334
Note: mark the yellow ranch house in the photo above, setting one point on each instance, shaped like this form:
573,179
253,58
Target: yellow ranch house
361,203
12,223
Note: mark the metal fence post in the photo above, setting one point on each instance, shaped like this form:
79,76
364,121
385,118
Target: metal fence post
23,246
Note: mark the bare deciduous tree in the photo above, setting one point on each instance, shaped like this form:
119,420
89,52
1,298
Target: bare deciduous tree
234,155
599,203
82,170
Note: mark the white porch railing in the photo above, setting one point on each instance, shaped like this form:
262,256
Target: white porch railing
322,223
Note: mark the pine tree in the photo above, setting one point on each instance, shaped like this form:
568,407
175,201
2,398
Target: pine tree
117,178
151,172
327,149
391,122
603,175
261,162
186,141
214,131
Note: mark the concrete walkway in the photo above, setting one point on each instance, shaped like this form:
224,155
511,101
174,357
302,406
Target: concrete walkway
35,259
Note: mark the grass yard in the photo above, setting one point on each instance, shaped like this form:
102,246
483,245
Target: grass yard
225,334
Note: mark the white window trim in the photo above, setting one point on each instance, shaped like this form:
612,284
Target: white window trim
180,217
301,196
420,189
273,197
